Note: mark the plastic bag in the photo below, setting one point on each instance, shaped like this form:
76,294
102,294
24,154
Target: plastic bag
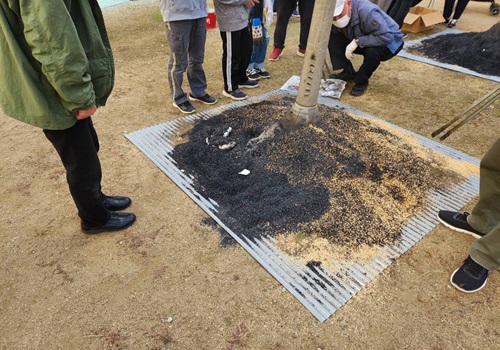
268,13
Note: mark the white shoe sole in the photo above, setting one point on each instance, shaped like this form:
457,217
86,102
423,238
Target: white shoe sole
194,99
248,86
275,59
475,235
231,96
258,78
463,290
179,108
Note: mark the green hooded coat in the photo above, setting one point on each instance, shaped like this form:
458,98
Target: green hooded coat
55,58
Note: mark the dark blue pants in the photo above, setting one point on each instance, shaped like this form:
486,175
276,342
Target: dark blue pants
77,147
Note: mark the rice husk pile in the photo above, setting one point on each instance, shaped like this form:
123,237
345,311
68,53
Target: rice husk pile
340,186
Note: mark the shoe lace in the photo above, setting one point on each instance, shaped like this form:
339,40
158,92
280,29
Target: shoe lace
474,268
461,217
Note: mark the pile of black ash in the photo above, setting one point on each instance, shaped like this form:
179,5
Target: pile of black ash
479,52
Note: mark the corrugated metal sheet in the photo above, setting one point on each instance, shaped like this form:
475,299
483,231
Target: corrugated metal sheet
322,290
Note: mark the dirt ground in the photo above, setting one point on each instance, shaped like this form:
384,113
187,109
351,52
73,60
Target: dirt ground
165,283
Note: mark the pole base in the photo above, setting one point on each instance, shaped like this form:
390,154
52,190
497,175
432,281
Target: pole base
300,116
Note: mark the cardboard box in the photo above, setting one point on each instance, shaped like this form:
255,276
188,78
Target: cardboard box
421,18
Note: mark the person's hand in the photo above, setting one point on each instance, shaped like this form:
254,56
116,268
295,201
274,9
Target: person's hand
251,3
349,50
85,113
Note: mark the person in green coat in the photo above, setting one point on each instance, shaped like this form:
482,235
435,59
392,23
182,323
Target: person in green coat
56,69
482,223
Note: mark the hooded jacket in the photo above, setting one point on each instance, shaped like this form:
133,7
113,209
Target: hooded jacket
55,58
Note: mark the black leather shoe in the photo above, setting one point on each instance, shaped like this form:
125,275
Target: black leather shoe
344,75
114,203
117,222
359,89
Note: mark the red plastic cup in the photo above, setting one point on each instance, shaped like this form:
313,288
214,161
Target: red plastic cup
211,19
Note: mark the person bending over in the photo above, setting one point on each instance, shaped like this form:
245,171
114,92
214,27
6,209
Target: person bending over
360,27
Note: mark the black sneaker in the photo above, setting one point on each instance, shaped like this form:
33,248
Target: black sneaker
206,99
264,74
405,35
470,277
235,95
458,222
345,76
249,84
359,89
185,107
452,23
253,74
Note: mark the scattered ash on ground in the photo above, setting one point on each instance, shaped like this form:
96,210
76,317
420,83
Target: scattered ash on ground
479,52
344,179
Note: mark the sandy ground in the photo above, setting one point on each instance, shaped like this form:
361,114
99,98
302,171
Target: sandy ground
165,283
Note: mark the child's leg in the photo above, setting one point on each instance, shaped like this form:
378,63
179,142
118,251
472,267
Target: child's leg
245,53
230,84
285,10
259,51
196,55
178,39
236,53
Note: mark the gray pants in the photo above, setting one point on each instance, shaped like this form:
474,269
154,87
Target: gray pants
186,40
485,216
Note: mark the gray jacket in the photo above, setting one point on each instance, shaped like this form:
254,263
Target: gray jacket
180,10
232,15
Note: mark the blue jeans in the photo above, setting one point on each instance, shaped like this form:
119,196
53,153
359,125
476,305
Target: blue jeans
259,52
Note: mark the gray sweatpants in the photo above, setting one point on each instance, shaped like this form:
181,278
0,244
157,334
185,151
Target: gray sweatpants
485,216
186,40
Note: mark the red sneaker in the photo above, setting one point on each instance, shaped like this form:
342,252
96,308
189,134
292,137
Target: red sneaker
276,54
301,52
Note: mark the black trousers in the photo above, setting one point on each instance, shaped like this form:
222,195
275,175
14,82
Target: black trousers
372,56
237,49
459,9
285,9
77,147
